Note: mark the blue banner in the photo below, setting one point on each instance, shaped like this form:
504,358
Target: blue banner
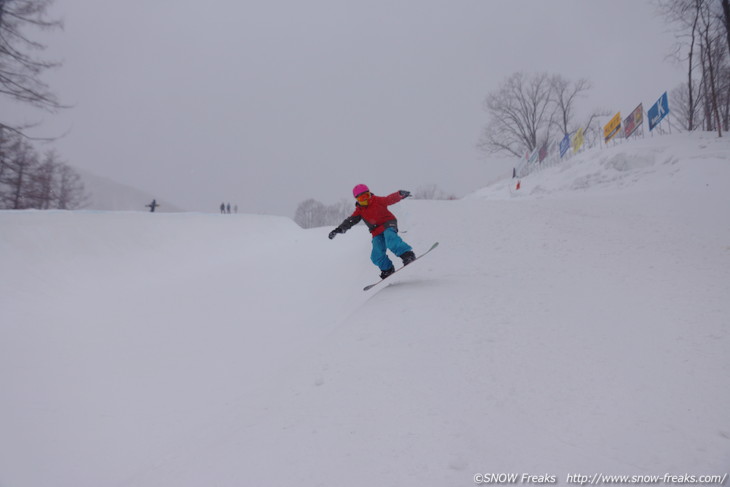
564,145
658,111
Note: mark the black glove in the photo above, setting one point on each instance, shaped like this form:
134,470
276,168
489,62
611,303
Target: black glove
335,232
404,193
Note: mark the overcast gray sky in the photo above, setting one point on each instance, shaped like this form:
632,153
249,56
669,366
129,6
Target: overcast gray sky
264,104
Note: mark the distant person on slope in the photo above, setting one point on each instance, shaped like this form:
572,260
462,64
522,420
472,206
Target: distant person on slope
153,205
383,226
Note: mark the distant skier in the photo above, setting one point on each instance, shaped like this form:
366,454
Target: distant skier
223,207
153,205
383,226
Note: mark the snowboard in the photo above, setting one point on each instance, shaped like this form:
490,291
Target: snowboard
400,268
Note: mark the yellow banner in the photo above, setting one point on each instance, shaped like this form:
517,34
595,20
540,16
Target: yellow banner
578,140
612,127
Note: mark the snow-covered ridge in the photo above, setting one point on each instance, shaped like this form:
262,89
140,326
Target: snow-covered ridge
578,325
637,164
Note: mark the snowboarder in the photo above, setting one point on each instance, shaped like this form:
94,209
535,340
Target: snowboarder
383,226
153,205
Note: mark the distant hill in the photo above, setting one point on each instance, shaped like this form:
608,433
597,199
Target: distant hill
108,195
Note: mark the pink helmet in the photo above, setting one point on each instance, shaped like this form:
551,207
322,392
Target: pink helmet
359,189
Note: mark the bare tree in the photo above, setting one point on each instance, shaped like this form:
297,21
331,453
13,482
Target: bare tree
17,175
565,94
311,213
702,25
334,214
526,108
710,56
308,212
56,185
20,69
691,103
27,181
4,151
593,125
726,19
724,102
685,15
521,113
69,190
40,193
431,192
686,105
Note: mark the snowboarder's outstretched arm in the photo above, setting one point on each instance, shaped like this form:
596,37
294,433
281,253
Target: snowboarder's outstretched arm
347,224
355,218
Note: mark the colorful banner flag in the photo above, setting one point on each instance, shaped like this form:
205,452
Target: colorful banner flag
543,151
578,140
612,127
634,121
564,145
658,111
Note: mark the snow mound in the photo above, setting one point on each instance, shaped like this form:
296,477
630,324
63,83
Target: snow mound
638,165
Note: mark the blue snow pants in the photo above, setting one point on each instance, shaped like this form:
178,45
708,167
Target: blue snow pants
388,240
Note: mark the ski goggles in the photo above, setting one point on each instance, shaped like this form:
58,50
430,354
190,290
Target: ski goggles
363,197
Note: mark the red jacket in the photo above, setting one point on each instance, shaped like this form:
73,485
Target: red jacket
375,215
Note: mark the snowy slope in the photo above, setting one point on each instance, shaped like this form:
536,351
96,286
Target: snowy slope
579,325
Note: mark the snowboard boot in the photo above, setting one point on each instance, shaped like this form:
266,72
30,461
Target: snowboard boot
387,272
408,257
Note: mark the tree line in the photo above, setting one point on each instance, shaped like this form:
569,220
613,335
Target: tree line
32,180
703,43
29,179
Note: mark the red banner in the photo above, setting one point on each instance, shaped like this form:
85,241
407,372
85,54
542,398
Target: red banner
634,121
